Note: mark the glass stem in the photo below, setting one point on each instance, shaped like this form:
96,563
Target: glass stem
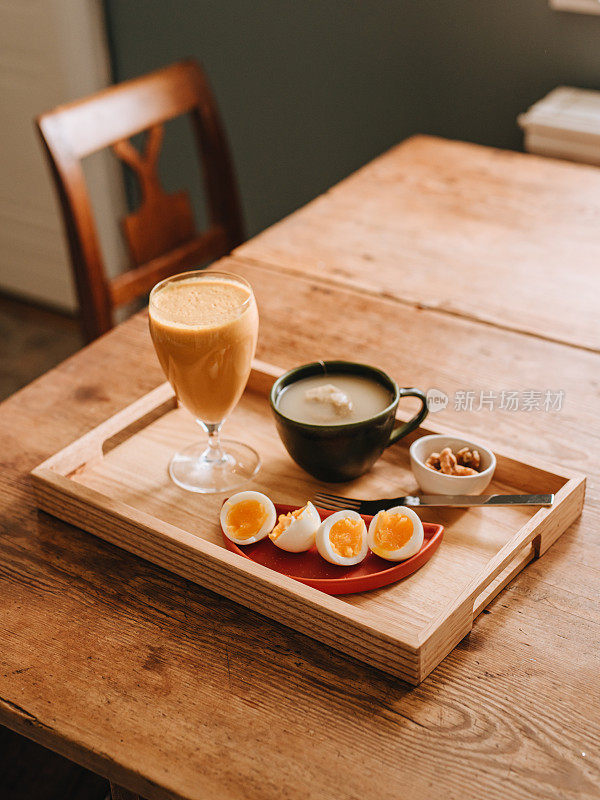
213,454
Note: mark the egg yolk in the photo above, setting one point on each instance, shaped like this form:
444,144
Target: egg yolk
284,522
246,518
345,536
393,531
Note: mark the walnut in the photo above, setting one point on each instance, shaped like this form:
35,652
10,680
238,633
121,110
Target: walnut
463,455
464,462
433,462
459,469
447,461
468,458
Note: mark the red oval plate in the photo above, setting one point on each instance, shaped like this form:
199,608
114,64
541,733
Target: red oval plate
309,568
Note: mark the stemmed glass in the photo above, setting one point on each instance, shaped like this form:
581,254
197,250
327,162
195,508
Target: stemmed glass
204,326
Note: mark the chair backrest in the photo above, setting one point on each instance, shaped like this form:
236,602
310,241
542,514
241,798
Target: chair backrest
161,236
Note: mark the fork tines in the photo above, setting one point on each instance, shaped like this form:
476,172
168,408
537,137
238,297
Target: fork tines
336,502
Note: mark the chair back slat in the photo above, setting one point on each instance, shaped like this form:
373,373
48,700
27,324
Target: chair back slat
163,221
124,110
160,235
136,282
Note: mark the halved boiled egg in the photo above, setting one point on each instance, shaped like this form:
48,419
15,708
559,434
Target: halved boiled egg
396,534
247,517
342,539
295,532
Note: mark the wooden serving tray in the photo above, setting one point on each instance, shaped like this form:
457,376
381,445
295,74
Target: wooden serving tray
113,482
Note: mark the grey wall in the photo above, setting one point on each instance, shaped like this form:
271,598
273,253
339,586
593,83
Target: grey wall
312,89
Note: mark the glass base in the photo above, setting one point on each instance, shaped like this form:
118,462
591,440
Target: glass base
192,469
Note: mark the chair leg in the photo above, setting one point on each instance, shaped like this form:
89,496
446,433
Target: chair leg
119,793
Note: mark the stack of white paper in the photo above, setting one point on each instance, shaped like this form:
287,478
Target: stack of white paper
564,124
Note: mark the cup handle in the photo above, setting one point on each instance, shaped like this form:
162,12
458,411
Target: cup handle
413,423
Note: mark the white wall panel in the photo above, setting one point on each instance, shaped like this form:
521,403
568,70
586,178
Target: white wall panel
51,51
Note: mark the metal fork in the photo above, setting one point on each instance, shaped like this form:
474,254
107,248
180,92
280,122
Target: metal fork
336,502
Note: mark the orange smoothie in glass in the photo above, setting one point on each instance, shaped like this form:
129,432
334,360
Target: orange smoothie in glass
204,331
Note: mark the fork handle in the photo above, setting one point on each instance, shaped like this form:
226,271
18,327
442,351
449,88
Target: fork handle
466,500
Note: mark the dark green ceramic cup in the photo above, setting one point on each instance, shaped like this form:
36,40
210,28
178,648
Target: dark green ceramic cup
337,453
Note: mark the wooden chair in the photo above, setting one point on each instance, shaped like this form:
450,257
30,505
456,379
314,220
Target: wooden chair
160,235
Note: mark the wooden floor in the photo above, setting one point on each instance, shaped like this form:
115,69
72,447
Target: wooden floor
33,340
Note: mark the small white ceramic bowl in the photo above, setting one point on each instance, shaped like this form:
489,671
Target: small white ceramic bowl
434,482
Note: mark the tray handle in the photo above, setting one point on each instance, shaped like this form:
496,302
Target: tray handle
504,572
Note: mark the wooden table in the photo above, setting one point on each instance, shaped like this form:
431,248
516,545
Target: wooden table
449,265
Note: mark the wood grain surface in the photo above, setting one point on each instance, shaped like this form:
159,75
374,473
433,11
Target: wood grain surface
502,237
175,692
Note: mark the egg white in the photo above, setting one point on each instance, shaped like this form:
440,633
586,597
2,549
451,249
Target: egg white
265,528
324,543
411,547
299,536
